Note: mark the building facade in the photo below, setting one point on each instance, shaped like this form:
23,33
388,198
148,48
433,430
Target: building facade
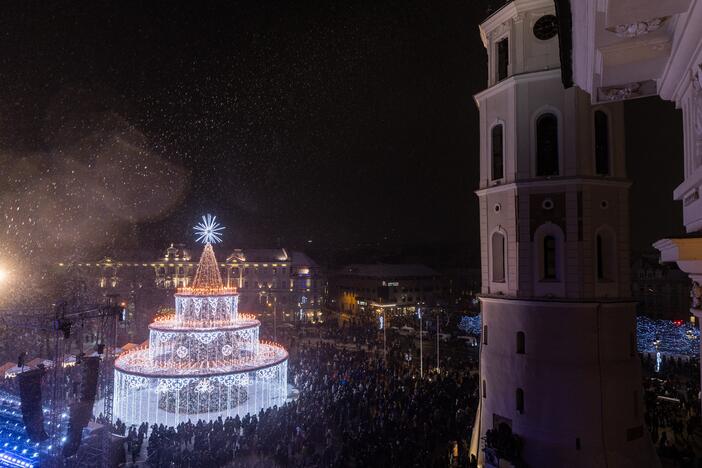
356,289
269,281
559,368
661,290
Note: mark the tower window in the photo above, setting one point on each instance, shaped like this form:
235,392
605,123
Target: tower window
605,255
497,153
498,257
502,59
521,348
601,143
484,390
549,258
520,401
600,259
485,336
547,145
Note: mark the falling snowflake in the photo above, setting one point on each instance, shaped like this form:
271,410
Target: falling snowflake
181,352
227,350
208,230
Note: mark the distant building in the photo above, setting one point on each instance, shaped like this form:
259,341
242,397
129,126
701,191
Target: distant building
356,288
662,290
290,283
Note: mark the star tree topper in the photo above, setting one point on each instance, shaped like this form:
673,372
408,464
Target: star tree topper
208,230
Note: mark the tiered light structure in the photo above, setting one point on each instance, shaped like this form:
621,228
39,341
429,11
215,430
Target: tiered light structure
205,360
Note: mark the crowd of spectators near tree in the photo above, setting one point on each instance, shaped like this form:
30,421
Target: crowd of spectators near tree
353,409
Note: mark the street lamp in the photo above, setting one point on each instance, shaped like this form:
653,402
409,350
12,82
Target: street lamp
421,354
437,341
275,315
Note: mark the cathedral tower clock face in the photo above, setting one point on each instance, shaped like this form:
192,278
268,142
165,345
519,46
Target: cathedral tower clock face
546,27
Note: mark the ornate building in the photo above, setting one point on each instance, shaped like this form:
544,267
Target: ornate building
559,367
291,283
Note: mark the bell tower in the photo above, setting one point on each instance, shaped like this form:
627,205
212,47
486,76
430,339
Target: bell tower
559,366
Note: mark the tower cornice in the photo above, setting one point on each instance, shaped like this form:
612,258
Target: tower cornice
515,79
555,181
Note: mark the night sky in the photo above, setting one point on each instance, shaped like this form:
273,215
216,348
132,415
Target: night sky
343,123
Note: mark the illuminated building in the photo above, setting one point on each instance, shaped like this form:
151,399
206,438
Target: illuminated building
354,288
291,282
559,367
201,362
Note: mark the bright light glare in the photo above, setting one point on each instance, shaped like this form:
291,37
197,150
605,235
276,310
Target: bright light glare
3,274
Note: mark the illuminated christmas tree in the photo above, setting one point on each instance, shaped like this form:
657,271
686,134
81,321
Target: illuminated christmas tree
203,361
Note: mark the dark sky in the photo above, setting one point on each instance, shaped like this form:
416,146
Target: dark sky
341,122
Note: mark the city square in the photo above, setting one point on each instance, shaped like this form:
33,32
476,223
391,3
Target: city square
461,233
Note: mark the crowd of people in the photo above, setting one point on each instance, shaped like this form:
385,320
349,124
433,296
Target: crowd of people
671,395
353,409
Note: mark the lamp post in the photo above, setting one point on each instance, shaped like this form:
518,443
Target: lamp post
437,341
385,326
421,355
275,319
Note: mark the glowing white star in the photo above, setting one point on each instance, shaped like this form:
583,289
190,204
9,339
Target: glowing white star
208,230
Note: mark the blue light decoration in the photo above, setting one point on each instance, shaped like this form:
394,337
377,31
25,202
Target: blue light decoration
470,324
16,450
208,231
659,337
671,337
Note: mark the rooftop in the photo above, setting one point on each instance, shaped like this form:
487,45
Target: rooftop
386,270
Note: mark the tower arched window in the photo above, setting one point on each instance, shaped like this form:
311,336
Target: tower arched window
549,251
547,145
498,257
497,141
605,255
601,143
521,345
502,59
520,400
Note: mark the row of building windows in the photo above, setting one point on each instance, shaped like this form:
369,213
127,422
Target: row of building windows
519,397
547,147
519,404
521,340
551,248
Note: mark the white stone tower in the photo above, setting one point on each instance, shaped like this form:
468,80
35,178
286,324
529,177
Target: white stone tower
559,364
